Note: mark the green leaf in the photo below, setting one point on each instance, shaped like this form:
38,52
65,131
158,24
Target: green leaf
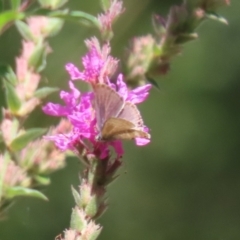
45,91
7,73
38,58
215,16
183,38
21,141
153,82
15,4
13,101
76,16
22,191
24,30
8,17
82,17
43,180
48,12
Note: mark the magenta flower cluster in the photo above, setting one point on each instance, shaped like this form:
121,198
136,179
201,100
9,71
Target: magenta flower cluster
99,67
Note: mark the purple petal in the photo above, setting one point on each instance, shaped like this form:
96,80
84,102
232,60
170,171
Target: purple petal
139,94
75,92
73,71
104,151
141,141
61,141
122,87
55,110
117,145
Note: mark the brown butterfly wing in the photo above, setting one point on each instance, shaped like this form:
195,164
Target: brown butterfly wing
132,114
118,128
107,102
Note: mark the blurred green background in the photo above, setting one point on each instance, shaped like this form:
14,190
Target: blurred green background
186,183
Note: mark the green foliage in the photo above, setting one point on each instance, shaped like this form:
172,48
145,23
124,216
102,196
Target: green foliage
185,184
74,16
38,59
76,221
8,17
45,91
52,4
105,4
15,4
13,101
7,73
24,30
216,17
77,197
42,180
21,141
26,192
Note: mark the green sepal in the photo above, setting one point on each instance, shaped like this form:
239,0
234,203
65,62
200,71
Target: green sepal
6,72
12,133
105,4
15,4
13,101
215,16
45,91
158,23
77,197
22,141
38,58
77,223
183,38
6,159
22,191
24,30
43,180
54,26
52,4
92,206
101,210
95,234
9,16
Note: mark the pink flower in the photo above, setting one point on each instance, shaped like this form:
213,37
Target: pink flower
110,15
98,65
79,108
79,111
135,96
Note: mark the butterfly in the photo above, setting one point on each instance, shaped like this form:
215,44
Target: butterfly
116,118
